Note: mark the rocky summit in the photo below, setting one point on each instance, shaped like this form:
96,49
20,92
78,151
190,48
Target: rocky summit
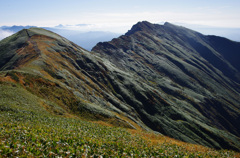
162,78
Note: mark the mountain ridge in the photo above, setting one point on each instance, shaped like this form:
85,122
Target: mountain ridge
62,63
145,79
184,57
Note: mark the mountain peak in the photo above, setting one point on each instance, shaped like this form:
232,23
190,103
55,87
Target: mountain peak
141,26
29,32
173,26
168,24
40,31
195,63
26,46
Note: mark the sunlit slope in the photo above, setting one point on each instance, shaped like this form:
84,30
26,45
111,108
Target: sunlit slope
57,71
29,129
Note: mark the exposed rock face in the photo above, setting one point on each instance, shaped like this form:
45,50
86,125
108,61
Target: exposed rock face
196,79
165,78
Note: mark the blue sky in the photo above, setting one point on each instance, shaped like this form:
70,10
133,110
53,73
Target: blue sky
119,15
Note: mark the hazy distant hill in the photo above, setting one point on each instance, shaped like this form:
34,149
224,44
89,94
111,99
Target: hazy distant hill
87,40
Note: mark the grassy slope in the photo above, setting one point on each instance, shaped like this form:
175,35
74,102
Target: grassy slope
38,117
28,128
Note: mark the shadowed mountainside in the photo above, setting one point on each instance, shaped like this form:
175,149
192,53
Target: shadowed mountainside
197,76
165,78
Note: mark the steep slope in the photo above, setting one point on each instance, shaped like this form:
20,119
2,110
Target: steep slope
59,73
192,81
137,81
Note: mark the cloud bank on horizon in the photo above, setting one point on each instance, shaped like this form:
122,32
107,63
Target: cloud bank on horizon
118,16
5,33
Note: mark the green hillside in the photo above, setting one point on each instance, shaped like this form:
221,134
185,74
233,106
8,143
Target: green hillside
153,92
28,129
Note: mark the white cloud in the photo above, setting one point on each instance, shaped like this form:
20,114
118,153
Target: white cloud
120,21
5,33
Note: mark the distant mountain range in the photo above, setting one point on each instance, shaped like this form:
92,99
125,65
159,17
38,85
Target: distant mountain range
88,39
162,78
